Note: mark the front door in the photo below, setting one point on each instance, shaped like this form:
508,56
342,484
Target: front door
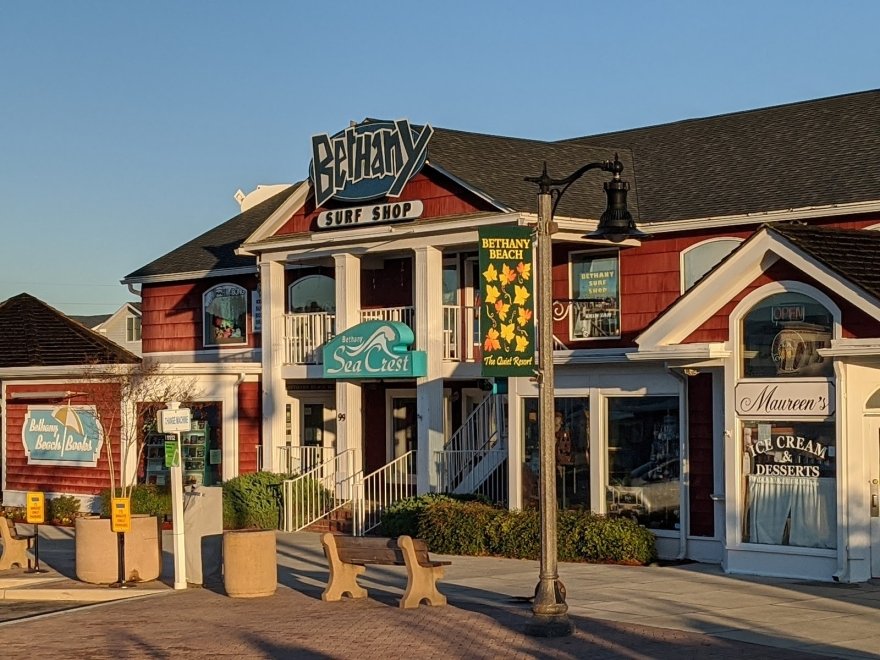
310,431
403,431
872,440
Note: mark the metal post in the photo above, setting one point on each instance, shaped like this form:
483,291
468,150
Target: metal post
549,607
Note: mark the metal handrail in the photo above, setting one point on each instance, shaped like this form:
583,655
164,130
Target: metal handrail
318,492
484,431
462,472
380,489
296,459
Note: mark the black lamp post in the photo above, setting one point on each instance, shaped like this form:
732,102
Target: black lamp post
550,618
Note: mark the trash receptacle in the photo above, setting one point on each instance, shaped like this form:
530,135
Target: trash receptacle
203,531
249,563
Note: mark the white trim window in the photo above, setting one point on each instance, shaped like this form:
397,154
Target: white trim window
132,329
224,311
595,295
700,258
312,293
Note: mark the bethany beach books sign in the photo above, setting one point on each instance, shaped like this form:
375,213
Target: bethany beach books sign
367,161
507,308
62,435
374,349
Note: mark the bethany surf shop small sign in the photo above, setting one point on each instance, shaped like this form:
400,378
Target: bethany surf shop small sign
367,161
62,435
507,309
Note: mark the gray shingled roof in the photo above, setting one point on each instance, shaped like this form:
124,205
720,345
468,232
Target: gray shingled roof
812,153
215,249
498,165
33,334
853,253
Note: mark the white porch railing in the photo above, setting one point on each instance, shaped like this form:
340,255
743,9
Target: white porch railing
305,334
297,459
382,488
401,314
461,325
318,492
480,472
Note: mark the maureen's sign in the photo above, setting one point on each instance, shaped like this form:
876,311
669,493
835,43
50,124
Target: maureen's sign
367,161
784,400
62,435
507,308
374,349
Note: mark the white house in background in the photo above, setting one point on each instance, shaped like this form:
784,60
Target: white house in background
122,327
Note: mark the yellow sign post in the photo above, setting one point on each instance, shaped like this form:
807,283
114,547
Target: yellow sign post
120,518
35,510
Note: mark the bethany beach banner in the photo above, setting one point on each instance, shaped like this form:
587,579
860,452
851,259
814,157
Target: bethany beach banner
507,309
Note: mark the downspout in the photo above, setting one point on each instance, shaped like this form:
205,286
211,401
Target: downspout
235,426
684,469
842,430
133,291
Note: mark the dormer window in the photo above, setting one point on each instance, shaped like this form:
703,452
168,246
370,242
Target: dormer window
225,314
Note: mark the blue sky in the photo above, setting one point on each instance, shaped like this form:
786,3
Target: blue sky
126,127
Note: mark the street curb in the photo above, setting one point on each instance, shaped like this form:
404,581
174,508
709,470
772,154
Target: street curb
83,595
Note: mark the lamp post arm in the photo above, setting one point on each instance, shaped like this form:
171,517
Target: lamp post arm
557,187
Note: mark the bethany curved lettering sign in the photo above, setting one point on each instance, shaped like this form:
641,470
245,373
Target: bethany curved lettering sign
367,161
374,349
62,435
785,400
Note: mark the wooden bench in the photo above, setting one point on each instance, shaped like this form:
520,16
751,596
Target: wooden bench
15,546
348,557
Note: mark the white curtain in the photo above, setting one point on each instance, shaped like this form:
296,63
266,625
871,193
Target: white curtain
809,504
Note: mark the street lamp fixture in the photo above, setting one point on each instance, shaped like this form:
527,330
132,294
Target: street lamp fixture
549,609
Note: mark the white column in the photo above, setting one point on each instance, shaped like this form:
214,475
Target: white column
272,384
429,338
349,401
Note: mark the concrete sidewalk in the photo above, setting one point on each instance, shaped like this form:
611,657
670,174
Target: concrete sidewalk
619,612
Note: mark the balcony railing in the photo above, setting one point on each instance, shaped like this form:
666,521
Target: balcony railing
305,334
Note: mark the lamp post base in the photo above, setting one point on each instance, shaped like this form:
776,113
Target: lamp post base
549,611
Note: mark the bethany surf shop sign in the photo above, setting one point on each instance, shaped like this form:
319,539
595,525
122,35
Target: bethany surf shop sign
367,161
374,349
782,400
62,435
507,310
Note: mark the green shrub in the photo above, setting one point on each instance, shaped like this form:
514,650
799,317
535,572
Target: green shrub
146,499
473,528
402,517
255,500
458,528
62,509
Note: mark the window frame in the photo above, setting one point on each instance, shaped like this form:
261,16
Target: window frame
239,291
598,253
696,246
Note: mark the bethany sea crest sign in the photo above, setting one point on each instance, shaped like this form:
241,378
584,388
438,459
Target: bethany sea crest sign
367,161
374,349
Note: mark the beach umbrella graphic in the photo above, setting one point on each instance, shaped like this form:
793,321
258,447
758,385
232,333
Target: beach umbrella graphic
69,419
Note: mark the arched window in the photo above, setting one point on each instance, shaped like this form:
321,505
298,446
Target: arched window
782,335
313,293
699,259
224,310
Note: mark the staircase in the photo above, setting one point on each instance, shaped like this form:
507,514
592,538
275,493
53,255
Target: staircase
475,457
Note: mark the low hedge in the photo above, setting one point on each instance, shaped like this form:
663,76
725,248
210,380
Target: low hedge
473,528
255,500
148,499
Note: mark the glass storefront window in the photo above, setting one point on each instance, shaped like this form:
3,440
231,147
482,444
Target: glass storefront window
643,460
312,293
572,433
782,336
789,483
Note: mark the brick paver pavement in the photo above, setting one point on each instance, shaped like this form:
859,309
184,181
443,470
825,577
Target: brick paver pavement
201,623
